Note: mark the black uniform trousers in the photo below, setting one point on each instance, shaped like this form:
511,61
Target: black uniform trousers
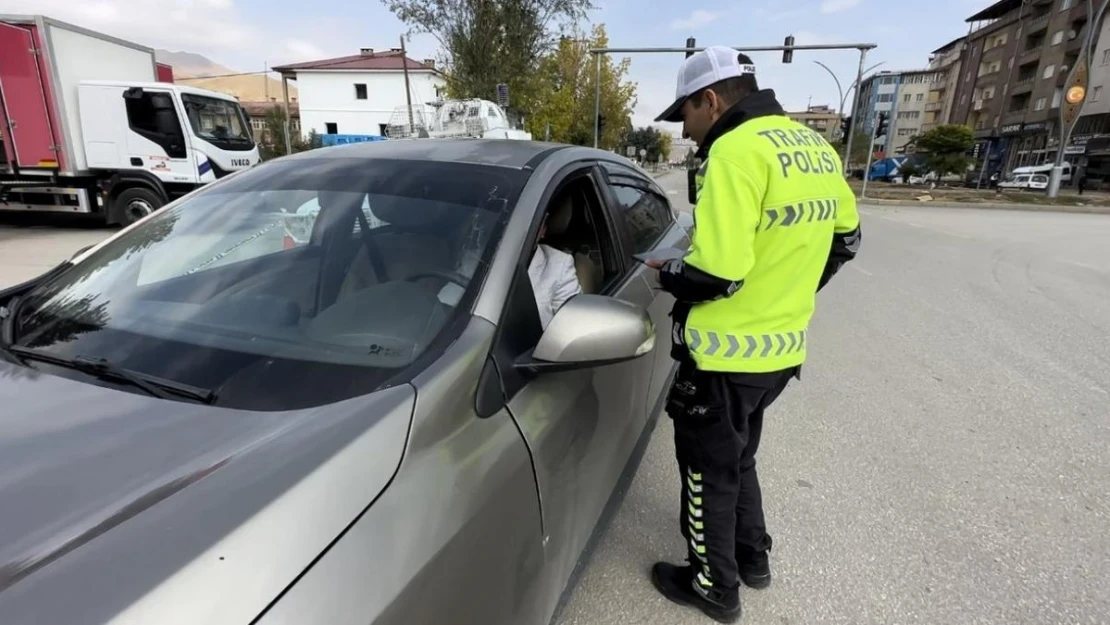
718,422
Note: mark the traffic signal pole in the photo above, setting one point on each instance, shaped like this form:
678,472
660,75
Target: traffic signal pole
855,116
787,50
870,153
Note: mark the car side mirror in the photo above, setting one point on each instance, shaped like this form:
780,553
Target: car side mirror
592,331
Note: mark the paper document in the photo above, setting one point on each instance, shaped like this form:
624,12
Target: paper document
663,253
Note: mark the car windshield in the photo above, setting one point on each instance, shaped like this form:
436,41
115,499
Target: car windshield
214,119
297,283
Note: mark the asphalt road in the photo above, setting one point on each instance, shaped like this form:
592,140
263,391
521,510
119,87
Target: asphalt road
30,246
944,459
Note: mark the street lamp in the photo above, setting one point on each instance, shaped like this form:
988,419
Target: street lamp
1076,93
840,111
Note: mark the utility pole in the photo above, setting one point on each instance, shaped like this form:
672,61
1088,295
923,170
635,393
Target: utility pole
408,90
597,98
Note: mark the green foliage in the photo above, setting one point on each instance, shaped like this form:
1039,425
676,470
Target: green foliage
536,48
690,160
908,169
946,148
487,42
656,142
272,142
859,148
564,97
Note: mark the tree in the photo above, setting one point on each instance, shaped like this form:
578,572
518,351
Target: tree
272,144
946,149
655,142
563,100
859,148
665,146
908,170
690,160
487,42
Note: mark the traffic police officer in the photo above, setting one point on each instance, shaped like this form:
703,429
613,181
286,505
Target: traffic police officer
774,220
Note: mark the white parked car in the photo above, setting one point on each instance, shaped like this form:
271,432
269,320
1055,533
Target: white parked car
1025,182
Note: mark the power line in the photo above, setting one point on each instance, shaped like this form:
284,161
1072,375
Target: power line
222,76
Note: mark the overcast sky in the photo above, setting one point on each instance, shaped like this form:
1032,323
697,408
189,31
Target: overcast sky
248,34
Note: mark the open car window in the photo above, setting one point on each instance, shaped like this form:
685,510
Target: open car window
267,287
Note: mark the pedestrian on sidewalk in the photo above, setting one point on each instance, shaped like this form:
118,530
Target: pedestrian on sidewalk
774,220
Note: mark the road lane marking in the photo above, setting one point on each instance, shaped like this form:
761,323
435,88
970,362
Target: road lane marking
1083,265
860,269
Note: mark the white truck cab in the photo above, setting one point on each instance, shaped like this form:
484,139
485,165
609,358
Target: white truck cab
85,126
178,134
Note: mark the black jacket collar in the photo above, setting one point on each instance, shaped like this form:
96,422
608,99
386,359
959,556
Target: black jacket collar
759,104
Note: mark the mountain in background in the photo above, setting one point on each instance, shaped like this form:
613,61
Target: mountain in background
197,70
189,64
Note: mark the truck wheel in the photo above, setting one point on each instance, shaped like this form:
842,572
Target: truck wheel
133,204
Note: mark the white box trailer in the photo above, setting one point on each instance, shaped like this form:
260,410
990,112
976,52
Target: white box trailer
86,127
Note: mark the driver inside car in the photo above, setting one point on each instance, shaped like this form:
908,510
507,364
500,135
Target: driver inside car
552,272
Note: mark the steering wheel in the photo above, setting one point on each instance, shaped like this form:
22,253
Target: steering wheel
449,276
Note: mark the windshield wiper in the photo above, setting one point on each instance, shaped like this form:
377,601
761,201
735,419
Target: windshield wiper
7,321
105,370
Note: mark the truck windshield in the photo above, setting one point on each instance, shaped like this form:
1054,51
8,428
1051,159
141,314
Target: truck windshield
221,122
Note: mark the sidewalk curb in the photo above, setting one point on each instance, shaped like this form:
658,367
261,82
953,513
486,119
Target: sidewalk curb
1029,208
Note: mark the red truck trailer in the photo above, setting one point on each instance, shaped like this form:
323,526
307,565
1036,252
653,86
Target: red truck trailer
93,124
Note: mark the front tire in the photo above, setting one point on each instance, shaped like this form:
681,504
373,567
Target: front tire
133,204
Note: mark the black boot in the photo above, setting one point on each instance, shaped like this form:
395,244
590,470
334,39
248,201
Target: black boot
677,584
754,567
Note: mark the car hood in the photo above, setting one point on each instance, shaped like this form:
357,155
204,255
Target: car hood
122,508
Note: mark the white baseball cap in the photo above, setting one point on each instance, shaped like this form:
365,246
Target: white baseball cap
710,66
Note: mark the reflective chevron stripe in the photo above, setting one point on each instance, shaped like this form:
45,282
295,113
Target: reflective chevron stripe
793,214
696,528
746,346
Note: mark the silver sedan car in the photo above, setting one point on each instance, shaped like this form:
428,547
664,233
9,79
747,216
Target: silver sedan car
206,420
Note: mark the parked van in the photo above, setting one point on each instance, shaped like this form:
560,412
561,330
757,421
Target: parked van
1025,182
1043,169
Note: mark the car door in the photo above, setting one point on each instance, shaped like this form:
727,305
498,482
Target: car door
580,426
647,221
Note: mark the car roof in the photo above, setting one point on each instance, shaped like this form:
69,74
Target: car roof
512,153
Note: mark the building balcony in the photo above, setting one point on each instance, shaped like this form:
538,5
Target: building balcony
1037,24
1023,85
1029,55
986,79
933,106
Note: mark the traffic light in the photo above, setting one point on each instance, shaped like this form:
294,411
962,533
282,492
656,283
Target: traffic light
788,54
600,123
690,43
846,126
880,128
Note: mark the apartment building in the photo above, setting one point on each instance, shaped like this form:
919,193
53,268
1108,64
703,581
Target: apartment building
904,97
946,62
876,95
822,119
1016,62
909,109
